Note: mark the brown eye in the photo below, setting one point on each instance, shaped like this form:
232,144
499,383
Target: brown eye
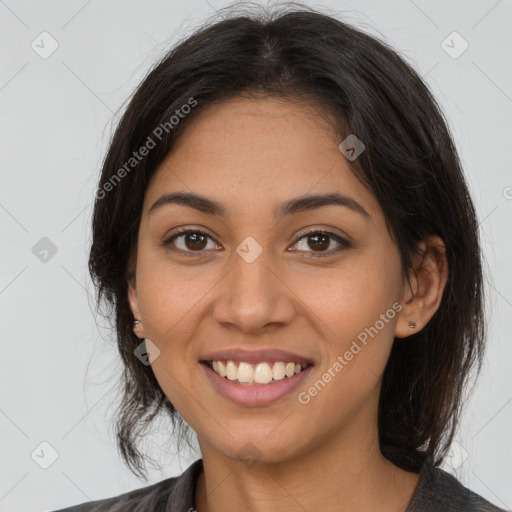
191,241
195,241
188,241
319,242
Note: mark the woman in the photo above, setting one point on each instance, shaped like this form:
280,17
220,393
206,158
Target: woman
285,237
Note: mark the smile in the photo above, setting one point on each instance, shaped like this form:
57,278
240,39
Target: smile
279,378
262,373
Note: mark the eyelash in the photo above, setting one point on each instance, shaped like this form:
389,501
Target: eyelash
344,244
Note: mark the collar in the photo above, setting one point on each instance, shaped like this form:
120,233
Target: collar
181,498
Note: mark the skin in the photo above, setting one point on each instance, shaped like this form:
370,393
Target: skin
252,154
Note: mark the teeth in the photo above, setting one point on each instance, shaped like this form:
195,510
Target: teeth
231,370
262,373
278,371
245,373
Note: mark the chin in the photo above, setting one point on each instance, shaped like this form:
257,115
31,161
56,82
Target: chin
253,449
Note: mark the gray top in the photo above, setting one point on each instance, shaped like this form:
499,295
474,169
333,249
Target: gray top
436,491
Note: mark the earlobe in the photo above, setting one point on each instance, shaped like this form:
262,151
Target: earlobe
428,282
407,323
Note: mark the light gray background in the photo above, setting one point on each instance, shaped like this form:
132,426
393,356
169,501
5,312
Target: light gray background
58,374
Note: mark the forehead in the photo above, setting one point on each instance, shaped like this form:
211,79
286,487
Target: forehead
248,151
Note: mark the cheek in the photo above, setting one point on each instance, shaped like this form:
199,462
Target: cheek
169,292
170,298
356,310
350,298
170,307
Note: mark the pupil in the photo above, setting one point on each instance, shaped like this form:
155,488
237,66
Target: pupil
195,236
321,246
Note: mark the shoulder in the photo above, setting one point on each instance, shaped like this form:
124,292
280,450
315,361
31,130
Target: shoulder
438,491
152,498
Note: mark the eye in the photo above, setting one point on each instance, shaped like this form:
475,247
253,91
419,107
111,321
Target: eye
194,241
191,240
322,240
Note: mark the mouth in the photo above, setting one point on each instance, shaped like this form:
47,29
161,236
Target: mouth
256,374
255,384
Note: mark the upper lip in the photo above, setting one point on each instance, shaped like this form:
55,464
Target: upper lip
256,356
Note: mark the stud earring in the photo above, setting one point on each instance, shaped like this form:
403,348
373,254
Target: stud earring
136,327
412,324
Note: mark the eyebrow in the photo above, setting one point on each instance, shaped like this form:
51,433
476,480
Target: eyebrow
299,204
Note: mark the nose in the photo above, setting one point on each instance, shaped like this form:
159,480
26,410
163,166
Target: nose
254,297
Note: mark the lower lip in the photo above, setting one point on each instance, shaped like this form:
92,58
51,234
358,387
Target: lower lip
255,394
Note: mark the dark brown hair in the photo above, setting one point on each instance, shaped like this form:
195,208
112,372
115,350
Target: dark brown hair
410,164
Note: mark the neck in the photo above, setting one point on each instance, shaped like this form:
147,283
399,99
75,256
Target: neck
347,473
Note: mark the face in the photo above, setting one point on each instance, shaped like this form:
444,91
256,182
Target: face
322,282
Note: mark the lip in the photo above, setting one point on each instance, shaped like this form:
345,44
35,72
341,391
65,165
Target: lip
255,394
270,355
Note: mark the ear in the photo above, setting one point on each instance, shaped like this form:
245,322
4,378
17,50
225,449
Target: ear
428,281
134,306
